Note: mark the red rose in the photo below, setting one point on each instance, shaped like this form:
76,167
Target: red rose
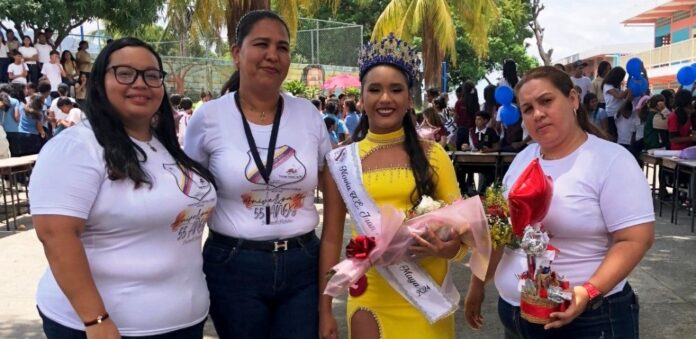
360,247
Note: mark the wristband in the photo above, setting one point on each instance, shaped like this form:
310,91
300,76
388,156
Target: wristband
99,320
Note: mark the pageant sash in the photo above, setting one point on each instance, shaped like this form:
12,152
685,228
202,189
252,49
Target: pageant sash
408,278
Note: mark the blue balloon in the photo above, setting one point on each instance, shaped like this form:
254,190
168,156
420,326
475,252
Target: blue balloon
509,115
633,67
686,75
503,95
638,85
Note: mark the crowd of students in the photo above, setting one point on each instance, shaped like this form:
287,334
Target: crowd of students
41,90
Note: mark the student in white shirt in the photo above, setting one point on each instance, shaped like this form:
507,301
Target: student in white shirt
614,96
186,107
17,71
579,79
4,59
53,71
43,49
626,125
122,228
31,55
600,237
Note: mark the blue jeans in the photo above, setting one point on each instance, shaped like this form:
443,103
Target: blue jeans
617,317
258,294
54,330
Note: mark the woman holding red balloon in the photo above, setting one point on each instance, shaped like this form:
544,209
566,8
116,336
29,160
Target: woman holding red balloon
599,238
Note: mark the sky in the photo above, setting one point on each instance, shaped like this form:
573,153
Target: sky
574,26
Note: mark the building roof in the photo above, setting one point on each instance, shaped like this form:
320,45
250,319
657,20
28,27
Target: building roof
664,10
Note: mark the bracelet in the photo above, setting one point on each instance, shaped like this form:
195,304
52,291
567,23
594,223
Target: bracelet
99,320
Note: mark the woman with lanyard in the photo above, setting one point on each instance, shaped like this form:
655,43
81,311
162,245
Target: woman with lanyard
395,168
122,228
599,236
266,150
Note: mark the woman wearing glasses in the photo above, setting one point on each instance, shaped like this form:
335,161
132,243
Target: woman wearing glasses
122,228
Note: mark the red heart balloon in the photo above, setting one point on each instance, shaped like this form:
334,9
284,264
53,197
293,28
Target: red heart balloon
530,197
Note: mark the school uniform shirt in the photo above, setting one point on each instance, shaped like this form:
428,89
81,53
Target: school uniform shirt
28,52
18,69
478,139
215,137
626,127
143,245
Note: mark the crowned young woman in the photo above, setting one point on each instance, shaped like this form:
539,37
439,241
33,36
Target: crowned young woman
389,165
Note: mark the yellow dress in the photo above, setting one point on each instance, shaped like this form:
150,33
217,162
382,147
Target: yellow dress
396,317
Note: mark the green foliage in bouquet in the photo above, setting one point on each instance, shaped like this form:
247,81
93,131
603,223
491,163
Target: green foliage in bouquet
498,214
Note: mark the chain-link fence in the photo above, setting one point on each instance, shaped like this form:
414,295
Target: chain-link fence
327,43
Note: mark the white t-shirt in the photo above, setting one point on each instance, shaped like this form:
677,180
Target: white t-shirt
215,137
15,69
52,72
584,83
44,51
625,127
613,105
183,123
143,245
598,189
3,50
28,52
54,106
76,116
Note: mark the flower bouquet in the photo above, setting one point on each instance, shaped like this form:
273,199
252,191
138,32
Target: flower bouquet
463,218
542,290
498,216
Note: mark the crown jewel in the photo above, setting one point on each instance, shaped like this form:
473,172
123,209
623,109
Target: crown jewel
391,51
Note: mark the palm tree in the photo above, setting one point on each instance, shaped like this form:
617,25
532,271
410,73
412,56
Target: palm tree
195,19
433,21
288,9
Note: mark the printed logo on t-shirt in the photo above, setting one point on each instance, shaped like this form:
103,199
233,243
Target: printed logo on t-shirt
190,183
190,222
287,169
276,199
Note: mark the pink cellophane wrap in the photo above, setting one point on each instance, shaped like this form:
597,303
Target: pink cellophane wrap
464,218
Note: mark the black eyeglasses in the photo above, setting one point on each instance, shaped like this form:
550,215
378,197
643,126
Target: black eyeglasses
127,75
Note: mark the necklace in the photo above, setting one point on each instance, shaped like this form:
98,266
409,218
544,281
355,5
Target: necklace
262,116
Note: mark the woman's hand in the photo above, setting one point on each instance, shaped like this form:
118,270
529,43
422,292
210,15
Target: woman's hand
106,330
578,304
472,303
328,328
430,245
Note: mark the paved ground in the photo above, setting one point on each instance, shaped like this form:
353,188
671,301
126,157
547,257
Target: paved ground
665,282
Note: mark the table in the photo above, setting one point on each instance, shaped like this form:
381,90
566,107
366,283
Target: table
651,161
688,167
463,159
11,167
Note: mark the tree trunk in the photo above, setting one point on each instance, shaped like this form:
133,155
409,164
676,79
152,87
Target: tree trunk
432,60
236,10
537,7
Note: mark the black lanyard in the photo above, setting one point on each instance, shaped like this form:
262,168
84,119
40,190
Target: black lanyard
265,171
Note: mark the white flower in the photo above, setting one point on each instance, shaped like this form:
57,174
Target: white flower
428,204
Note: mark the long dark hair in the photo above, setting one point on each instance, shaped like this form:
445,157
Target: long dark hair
586,104
470,96
682,103
489,104
423,172
123,156
510,72
561,81
603,68
614,77
245,25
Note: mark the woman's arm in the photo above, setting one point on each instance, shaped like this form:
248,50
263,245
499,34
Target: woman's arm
619,94
330,250
476,293
629,246
60,236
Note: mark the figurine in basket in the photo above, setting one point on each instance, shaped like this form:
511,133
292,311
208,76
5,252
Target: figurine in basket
599,239
380,176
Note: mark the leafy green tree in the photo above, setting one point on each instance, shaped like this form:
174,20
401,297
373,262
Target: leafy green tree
505,41
433,21
64,15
